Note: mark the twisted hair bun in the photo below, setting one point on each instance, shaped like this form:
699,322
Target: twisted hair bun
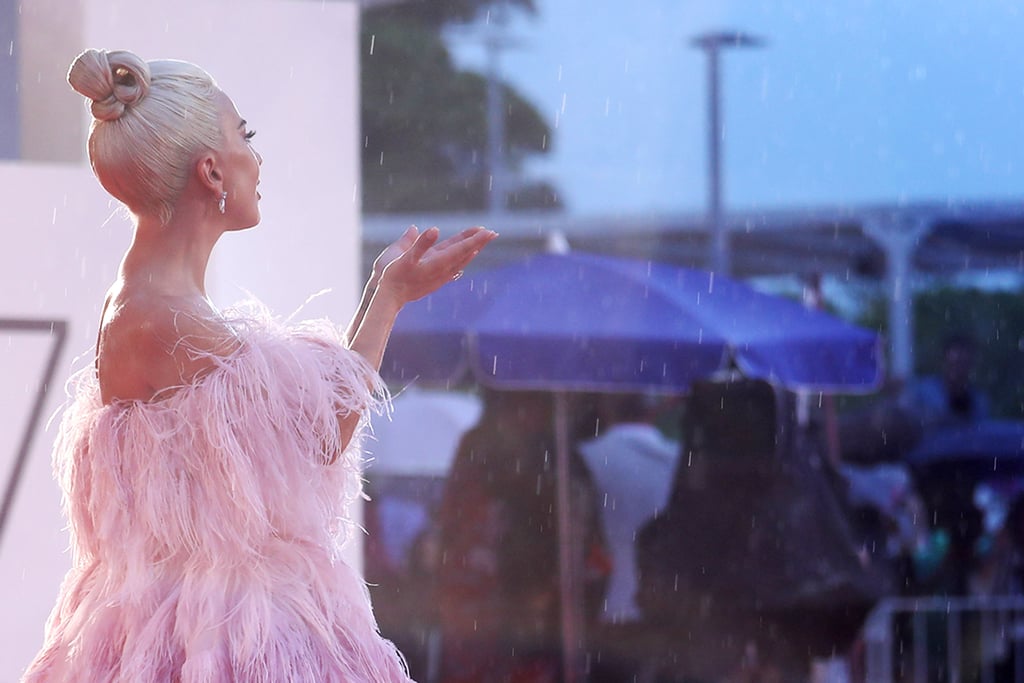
150,119
114,81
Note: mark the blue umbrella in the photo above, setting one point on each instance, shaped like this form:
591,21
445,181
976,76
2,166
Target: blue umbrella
583,322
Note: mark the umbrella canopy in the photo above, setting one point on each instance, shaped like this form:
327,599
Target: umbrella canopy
583,322
988,449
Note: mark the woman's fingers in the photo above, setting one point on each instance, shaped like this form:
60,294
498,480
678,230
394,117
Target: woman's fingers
408,237
464,246
423,243
446,257
402,244
472,245
467,234
428,264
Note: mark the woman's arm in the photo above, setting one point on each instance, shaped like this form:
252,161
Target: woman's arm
410,269
421,268
392,252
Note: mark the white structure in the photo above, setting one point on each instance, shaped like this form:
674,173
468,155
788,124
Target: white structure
292,68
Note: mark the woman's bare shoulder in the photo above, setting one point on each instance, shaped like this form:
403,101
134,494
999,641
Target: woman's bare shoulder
150,342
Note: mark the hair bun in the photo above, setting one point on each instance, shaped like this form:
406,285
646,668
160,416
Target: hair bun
113,81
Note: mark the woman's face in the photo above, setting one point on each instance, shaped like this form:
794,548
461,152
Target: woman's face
240,164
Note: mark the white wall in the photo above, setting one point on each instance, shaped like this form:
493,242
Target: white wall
291,66
49,29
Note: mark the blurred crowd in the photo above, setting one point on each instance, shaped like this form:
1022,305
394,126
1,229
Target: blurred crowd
718,538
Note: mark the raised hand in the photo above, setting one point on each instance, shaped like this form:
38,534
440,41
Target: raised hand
393,251
428,264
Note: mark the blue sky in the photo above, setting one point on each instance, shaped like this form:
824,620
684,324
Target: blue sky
850,101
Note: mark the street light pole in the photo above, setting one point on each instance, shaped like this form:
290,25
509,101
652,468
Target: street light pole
495,41
712,44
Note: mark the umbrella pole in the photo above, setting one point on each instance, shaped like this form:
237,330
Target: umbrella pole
814,299
568,555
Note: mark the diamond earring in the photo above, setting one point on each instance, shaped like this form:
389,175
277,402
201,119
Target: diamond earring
223,201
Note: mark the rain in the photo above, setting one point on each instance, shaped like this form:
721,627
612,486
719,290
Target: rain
857,225
796,311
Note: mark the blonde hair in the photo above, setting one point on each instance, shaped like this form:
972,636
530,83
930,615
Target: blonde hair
150,120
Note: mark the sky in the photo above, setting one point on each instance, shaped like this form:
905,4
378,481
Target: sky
848,101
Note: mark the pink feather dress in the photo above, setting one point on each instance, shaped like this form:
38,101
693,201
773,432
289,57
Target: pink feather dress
207,527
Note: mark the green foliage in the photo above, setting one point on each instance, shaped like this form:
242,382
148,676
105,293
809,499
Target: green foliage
424,122
437,13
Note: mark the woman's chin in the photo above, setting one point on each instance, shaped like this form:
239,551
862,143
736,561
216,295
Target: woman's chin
251,223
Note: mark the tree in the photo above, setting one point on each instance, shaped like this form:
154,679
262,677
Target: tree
424,121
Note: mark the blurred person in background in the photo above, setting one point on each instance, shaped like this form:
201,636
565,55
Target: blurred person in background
498,582
632,465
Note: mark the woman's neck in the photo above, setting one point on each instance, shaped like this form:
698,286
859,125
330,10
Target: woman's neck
172,257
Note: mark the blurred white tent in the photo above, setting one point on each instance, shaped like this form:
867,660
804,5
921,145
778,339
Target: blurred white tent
423,433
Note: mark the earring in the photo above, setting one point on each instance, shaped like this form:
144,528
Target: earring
222,202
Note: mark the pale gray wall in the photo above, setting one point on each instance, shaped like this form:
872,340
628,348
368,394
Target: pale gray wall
9,48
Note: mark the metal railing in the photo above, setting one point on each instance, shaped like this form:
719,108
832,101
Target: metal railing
946,640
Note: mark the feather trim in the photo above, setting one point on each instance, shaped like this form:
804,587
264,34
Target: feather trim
207,527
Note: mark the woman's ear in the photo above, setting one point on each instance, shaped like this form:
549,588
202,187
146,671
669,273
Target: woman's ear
208,172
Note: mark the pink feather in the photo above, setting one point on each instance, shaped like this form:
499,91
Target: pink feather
207,529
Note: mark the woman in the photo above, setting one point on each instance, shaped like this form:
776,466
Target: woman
208,458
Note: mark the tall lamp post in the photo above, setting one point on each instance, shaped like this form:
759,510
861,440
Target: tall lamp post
712,43
495,41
